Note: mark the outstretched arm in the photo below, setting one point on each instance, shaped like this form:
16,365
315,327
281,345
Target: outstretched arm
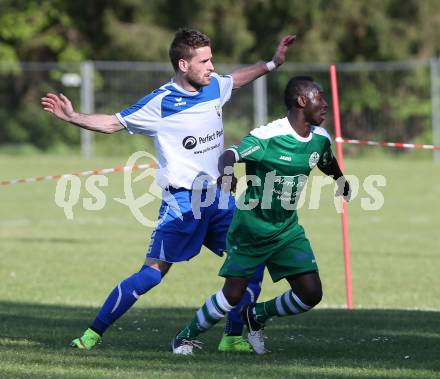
245,75
61,107
333,169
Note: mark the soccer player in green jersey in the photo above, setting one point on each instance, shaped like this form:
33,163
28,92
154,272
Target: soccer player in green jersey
279,157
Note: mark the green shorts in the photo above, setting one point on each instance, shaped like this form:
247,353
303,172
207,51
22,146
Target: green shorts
283,258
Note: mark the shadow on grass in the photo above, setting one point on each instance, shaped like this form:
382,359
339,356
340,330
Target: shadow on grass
337,342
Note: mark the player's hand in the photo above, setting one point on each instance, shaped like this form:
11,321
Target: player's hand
280,54
60,106
344,189
227,183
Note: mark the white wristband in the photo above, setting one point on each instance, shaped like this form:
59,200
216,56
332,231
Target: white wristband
271,65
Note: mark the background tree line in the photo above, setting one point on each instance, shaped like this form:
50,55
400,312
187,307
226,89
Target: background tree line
242,31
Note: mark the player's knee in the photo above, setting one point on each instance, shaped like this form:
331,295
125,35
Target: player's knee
146,279
233,296
234,289
313,296
233,299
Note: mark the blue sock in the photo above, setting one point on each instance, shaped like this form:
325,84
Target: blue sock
124,295
234,324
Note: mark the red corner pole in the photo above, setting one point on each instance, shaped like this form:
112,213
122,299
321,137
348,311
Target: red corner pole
340,155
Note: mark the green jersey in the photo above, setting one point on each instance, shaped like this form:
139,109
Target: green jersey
278,163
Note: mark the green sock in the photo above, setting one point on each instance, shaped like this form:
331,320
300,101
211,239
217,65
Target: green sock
266,310
288,304
190,331
214,309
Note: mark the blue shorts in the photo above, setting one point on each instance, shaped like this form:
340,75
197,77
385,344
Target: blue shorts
180,233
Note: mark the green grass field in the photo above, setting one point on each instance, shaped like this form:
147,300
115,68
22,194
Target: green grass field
55,273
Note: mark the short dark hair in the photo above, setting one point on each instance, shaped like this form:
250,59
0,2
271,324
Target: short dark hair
297,86
184,43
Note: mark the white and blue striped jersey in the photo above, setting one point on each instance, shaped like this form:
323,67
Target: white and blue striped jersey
187,129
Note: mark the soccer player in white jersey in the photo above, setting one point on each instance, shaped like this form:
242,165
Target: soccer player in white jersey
185,120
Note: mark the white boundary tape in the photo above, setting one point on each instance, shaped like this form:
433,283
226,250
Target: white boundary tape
387,144
140,167
82,173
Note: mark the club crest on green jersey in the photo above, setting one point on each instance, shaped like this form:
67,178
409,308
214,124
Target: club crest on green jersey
314,159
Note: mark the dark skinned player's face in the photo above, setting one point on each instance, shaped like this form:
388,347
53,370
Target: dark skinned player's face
316,106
